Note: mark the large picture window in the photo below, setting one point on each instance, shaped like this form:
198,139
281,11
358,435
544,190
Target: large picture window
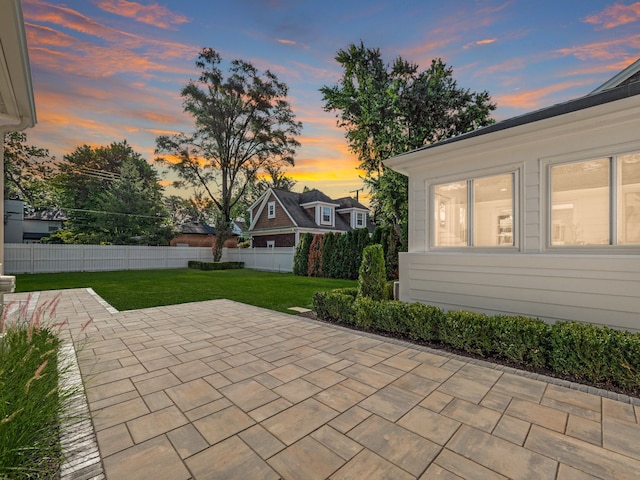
477,212
596,202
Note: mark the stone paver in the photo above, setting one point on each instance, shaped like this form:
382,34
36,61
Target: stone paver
219,389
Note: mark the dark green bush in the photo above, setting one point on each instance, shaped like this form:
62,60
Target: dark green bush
335,306
521,340
597,354
301,258
372,275
215,265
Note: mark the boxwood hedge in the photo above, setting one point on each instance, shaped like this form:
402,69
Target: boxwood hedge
596,354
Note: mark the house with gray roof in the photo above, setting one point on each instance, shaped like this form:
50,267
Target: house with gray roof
537,215
279,217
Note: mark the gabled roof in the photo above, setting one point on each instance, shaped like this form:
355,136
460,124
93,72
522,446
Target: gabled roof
197,228
624,86
293,203
349,203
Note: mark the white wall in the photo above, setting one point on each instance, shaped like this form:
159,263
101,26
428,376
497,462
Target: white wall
595,284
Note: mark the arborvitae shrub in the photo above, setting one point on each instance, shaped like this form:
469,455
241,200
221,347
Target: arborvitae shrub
372,275
314,268
301,258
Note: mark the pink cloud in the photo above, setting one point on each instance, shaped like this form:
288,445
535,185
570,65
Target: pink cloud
152,14
532,99
605,50
615,15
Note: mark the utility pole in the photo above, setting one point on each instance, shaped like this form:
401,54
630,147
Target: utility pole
356,192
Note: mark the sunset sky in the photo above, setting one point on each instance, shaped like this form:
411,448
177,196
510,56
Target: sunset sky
109,70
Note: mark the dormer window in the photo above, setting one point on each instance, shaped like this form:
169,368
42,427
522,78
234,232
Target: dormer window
271,210
325,219
361,220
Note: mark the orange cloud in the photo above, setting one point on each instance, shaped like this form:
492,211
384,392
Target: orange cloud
603,50
486,41
286,42
152,14
534,98
615,15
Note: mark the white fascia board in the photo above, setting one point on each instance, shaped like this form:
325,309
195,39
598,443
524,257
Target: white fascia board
16,84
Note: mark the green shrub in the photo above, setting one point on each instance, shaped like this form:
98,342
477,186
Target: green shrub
426,322
301,258
520,340
383,316
372,276
597,354
335,306
215,265
467,331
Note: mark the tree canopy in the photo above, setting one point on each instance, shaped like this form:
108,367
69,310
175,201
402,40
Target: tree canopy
387,109
28,171
243,126
110,195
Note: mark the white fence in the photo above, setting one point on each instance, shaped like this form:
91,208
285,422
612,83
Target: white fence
271,259
42,258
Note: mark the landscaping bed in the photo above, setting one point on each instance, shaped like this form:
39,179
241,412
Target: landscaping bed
592,355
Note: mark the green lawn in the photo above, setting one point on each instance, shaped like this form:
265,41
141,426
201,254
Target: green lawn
133,289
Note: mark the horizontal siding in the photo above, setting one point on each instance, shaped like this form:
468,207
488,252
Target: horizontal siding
595,289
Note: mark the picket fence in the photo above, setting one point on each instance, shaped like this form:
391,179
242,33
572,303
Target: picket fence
41,258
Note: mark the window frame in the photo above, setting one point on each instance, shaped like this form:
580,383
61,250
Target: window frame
613,198
363,223
271,209
322,220
516,201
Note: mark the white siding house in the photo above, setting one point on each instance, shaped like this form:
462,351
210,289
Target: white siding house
538,215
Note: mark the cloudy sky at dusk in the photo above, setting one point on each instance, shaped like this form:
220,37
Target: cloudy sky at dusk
108,70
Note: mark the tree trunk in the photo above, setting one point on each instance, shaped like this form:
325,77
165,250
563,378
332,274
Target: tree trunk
223,233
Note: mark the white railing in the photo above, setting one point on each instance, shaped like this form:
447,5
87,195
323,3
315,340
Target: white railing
42,258
270,259
45,258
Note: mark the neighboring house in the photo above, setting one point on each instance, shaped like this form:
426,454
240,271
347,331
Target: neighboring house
198,234
17,106
537,215
32,227
279,217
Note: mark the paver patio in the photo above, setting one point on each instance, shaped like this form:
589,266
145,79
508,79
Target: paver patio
220,389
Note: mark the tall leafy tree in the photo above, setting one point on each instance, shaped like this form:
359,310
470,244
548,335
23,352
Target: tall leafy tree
111,195
390,108
243,126
28,172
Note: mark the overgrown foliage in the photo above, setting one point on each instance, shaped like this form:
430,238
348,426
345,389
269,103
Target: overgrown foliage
599,355
388,109
243,126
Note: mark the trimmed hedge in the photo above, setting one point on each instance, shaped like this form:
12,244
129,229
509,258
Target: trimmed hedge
599,355
215,265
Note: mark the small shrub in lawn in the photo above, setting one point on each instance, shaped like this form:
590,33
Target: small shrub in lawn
215,265
372,276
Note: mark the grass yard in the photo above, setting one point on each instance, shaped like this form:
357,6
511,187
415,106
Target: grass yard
134,289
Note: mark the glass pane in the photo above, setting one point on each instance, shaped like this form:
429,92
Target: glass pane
580,203
493,211
629,199
450,215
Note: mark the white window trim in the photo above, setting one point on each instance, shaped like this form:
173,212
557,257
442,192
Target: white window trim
271,243
331,215
546,228
515,171
357,224
271,210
